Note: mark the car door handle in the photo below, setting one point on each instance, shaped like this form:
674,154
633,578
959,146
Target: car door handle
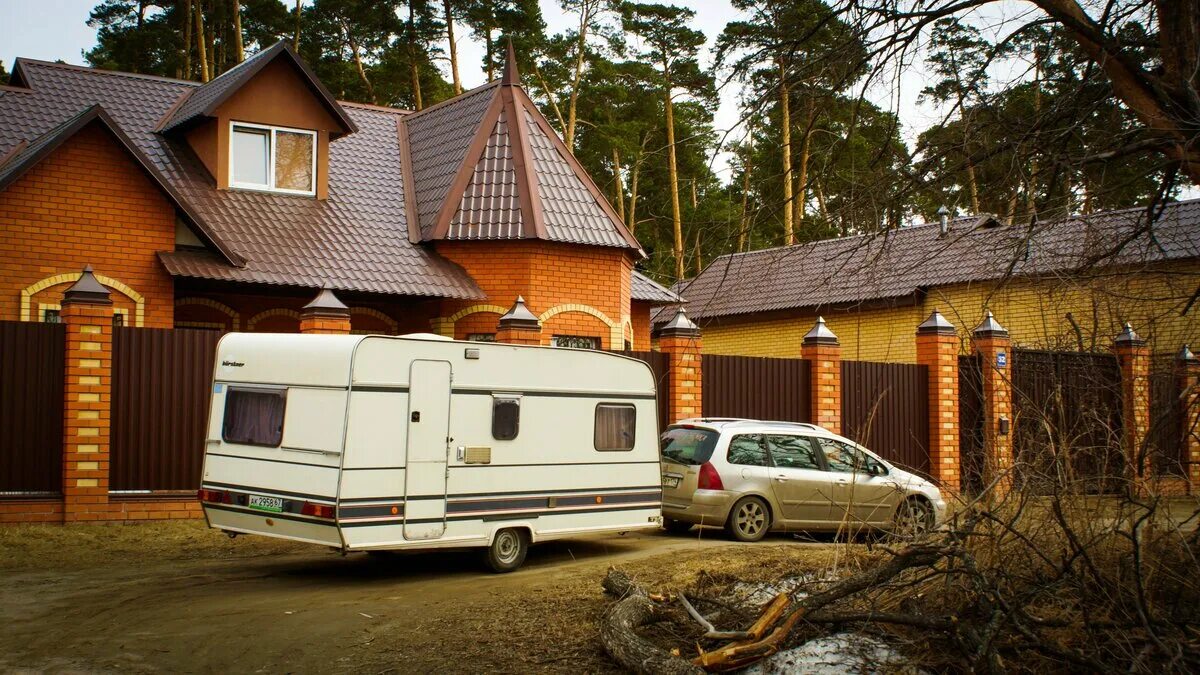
842,481
781,479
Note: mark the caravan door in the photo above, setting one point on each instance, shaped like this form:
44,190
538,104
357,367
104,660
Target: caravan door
427,449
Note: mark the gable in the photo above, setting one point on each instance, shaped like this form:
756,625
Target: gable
278,96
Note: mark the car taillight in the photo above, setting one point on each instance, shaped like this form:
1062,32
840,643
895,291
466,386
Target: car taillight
317,510
709,478
213,496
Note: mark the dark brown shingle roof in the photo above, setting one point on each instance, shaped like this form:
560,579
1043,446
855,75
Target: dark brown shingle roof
357,240
648,290
901,262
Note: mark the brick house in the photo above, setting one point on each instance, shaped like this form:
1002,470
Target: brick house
228,205
1054,283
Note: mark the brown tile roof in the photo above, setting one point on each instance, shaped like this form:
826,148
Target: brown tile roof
357,240
490,207
204,100
904,261
646,289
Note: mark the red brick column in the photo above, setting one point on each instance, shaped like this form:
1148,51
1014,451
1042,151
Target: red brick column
1134,358
937,349
824,354
519,326
325,315
1188,368
992,343
87,312
680,340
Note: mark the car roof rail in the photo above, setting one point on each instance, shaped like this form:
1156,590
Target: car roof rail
746,420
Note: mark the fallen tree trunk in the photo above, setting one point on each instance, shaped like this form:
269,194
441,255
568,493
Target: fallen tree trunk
618,630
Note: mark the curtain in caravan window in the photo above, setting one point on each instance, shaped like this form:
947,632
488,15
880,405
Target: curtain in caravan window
254,417
615,426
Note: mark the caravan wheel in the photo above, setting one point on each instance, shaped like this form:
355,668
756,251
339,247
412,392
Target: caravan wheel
508,550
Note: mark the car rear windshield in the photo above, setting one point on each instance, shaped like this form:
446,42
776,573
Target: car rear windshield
688,446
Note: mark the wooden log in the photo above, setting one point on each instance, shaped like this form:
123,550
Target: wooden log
618,630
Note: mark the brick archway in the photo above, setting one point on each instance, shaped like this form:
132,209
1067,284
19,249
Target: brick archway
27,293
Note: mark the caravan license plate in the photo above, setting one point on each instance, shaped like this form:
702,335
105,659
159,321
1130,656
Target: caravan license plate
670,481
272,504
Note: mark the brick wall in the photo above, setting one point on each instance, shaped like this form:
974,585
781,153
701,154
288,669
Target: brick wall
281,313
549,275
1034,313
89,202
640,317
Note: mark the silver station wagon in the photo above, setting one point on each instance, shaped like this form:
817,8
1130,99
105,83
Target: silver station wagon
752,477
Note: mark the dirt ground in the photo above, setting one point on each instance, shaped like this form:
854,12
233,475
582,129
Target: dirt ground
179,597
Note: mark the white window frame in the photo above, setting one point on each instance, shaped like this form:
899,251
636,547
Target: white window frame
270,185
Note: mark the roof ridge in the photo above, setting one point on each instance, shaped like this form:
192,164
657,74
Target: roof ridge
441,104
373,106
104,71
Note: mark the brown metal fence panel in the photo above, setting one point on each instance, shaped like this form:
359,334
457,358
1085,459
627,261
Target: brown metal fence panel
1067,426
1167,415
756,388
885,407
658,363
160,399
970,423
31,403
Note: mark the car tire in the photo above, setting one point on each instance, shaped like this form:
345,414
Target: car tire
507,550
749,520
676,526
913,518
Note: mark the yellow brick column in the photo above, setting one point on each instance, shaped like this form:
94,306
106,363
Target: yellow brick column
87,313
325,315
1188,369
680,340
519,326
991,341
1134,358
937,349
824,354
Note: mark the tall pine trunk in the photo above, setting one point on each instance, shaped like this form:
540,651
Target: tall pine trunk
187,38
785,128
676,217
200,51
633,191
296,37
453,48
358,64
580,48
973,186
802,175
744,222
413,71
237,30
618,186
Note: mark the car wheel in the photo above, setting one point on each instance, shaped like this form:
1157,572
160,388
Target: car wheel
508,550
914,517
749,520
676,526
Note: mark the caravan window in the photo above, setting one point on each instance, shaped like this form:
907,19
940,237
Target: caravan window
506,418
254,416
615,426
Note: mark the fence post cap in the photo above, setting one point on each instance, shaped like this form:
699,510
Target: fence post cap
820,334
1129,337
87,290
519,316
679,325
936,324
1186,356
990,327
326,302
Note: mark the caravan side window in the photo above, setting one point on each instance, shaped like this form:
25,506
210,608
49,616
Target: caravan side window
615,426
506,418
254,416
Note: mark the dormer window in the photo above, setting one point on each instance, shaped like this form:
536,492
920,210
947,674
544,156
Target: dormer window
277,159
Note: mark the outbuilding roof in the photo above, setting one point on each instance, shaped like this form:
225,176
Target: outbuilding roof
898,263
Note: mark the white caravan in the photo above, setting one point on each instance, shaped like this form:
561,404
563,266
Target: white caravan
415,442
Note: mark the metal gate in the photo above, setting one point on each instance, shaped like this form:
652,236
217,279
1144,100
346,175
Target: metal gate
160,400
885,407
1167,421
756,388
31,404
1067,427
970,423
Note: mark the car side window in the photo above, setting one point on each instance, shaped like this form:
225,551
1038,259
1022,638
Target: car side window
747,451
792,452
842,457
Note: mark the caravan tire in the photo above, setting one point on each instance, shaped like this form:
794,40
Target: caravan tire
508,550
